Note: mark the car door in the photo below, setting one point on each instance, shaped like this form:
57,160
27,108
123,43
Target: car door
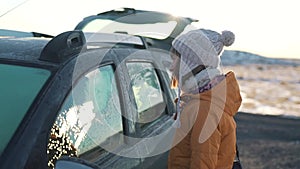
150,85
111,109
90,124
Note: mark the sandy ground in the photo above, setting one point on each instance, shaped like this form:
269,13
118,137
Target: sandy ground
269,89
268,141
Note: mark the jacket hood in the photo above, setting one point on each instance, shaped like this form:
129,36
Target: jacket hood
228,100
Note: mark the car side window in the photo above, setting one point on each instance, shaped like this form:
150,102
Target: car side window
89,117
147,91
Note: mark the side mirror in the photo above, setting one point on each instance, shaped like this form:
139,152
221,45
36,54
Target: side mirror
74,163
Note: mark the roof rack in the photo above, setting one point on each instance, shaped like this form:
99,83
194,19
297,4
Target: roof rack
63,46
114,40
68,44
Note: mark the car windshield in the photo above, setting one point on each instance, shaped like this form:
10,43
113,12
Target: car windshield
147,30
18,88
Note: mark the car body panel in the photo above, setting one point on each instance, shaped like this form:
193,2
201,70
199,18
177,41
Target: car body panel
28,147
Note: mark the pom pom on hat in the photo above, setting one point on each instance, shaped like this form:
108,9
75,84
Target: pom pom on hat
228,38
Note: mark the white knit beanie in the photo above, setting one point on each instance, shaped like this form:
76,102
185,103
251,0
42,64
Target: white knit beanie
201,47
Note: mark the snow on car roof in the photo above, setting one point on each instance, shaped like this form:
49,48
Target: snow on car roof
27,48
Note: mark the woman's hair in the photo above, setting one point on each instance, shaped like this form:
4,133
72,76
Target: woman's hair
175,73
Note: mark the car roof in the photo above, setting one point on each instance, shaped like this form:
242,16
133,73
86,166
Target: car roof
22,34
53,51
27,49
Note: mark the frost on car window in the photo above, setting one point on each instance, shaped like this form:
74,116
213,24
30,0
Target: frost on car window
90,115
147,90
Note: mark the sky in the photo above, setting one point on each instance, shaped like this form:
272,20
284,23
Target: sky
266,27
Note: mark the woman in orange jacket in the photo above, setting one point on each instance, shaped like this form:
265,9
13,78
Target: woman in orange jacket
205,137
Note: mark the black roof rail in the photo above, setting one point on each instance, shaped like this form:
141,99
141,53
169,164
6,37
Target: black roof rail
63,46
119,11
37,34
114,40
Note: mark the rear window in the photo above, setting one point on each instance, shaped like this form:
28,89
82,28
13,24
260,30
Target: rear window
19,86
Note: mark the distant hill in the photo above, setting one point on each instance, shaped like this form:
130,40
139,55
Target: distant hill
244,58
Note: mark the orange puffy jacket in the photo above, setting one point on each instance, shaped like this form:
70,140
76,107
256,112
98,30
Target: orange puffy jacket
206,138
